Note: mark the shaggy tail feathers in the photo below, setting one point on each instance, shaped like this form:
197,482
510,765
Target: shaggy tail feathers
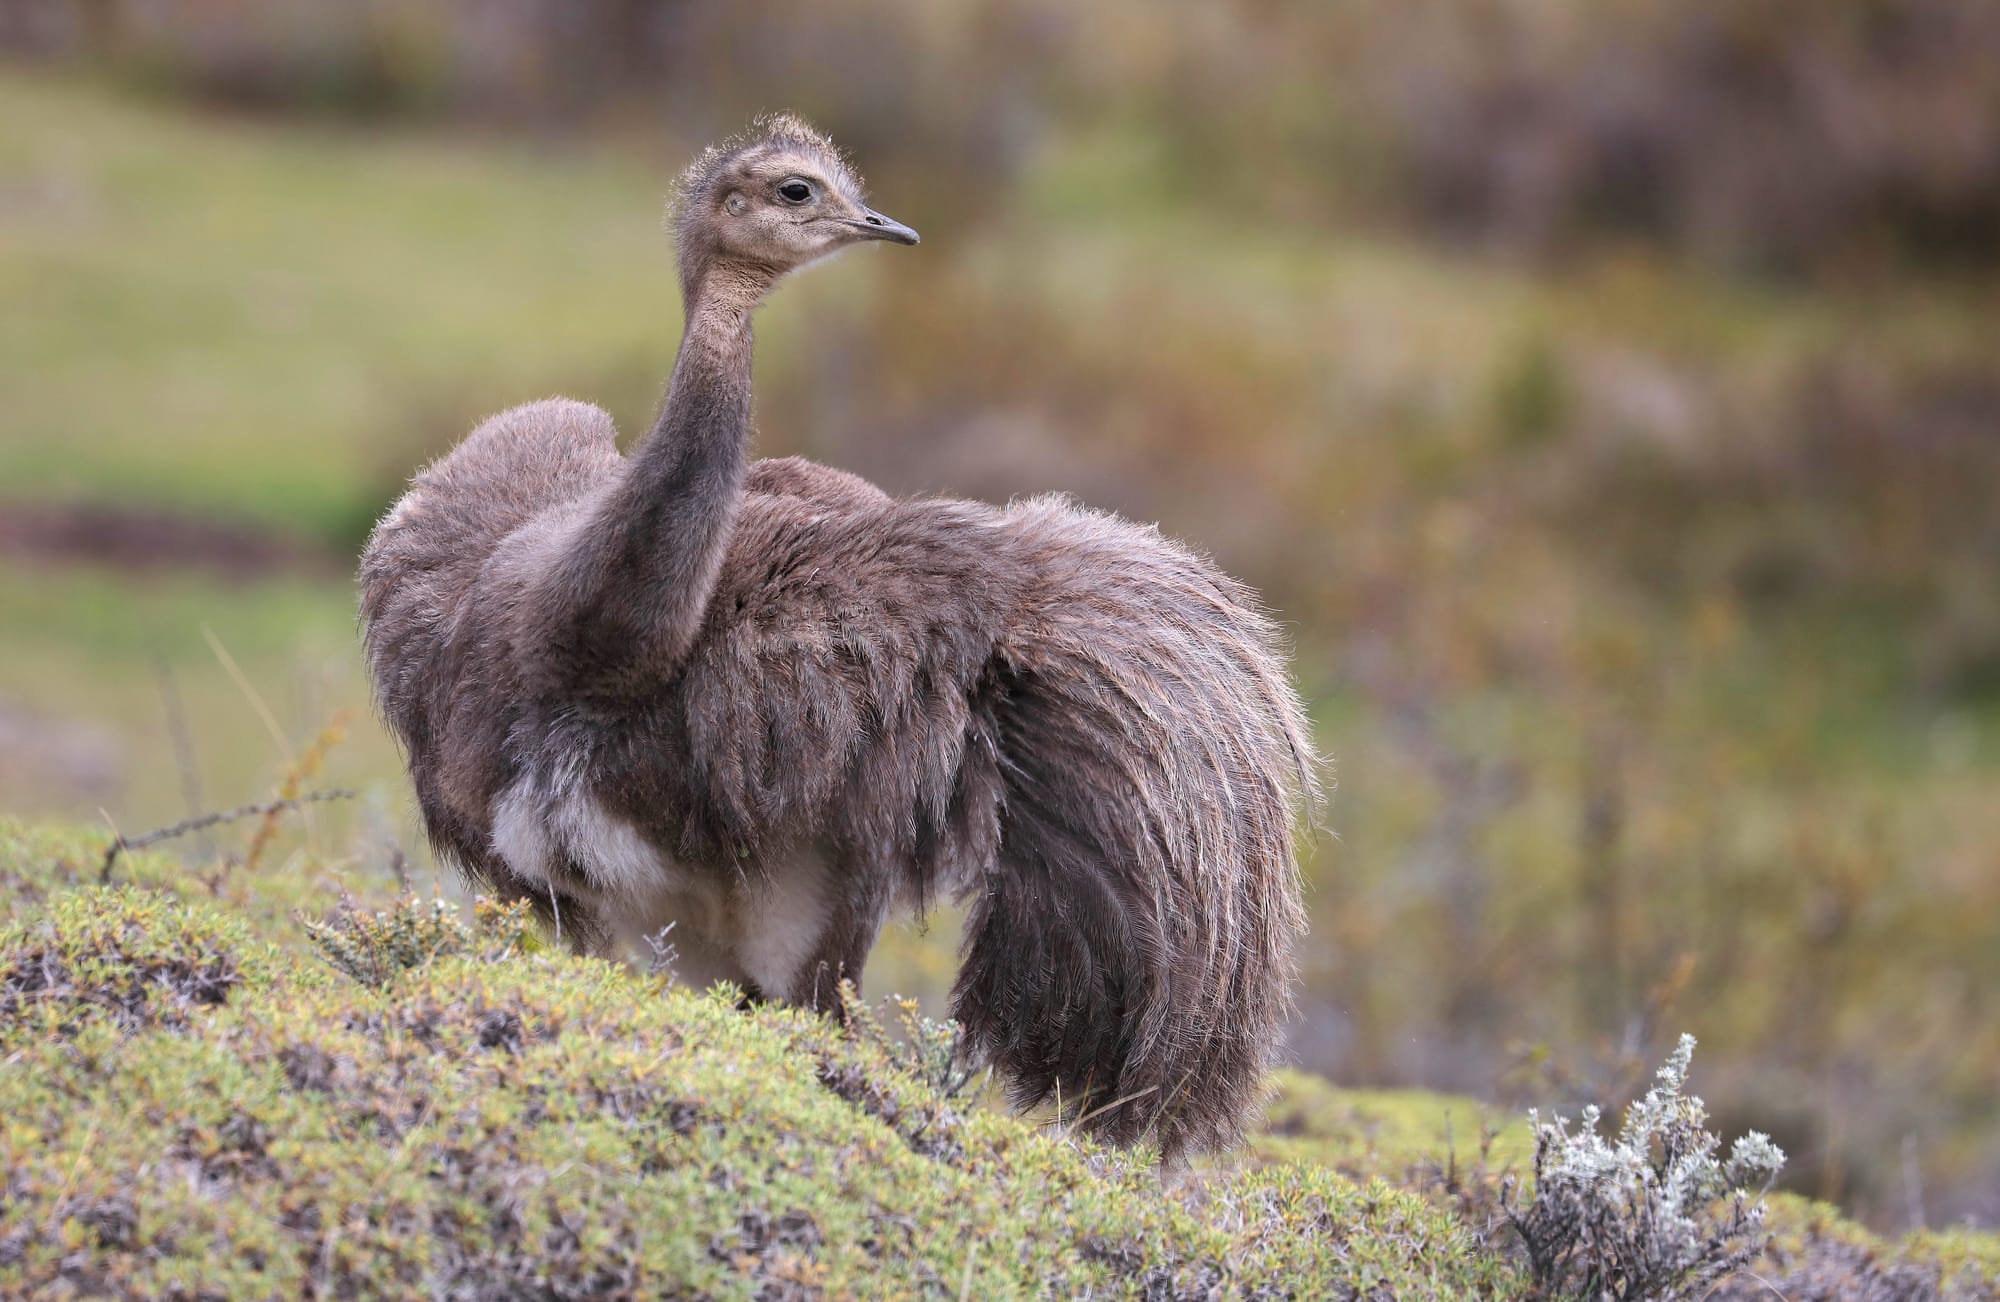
1130,955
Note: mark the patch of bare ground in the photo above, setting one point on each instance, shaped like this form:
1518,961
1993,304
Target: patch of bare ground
141,539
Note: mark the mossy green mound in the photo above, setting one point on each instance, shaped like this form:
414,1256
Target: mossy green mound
1407,1137
204,1098
1815,1252
40,863
546,1126
124,956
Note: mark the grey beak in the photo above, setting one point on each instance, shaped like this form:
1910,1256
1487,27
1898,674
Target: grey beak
874,226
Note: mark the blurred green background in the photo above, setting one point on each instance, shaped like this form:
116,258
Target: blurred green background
1605,392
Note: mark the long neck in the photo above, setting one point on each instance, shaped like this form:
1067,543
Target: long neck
640,577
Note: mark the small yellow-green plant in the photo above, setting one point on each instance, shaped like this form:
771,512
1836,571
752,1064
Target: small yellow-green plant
130,957
375,946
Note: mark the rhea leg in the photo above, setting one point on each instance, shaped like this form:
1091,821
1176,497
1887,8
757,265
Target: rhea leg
853,921
699,964
573,922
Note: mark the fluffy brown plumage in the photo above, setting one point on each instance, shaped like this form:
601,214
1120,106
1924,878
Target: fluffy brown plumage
769,703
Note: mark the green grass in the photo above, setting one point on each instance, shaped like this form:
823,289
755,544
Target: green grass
84,652
262,322
160,260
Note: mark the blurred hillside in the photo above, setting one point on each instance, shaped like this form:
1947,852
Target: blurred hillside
1605,393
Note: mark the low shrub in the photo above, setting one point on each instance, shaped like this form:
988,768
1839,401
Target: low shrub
129,956
374,946
1653,1215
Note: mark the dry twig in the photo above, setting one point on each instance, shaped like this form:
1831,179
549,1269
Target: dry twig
186,825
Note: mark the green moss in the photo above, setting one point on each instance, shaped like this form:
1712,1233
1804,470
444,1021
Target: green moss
1967,1259
41,862
568,1127
38,859
1406,1136
133,957
187,1109
1816,1252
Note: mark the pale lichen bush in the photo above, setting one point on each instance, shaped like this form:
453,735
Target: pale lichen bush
1655,1214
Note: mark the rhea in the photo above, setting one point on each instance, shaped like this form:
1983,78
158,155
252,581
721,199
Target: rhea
767,703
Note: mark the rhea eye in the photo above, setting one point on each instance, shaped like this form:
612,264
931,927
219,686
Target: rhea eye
795,191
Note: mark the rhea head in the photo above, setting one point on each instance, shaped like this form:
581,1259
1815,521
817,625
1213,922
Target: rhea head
768,202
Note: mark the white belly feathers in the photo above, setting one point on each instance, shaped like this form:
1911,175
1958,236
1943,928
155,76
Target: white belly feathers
759,926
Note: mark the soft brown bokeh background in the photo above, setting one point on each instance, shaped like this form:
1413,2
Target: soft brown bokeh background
1605,391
